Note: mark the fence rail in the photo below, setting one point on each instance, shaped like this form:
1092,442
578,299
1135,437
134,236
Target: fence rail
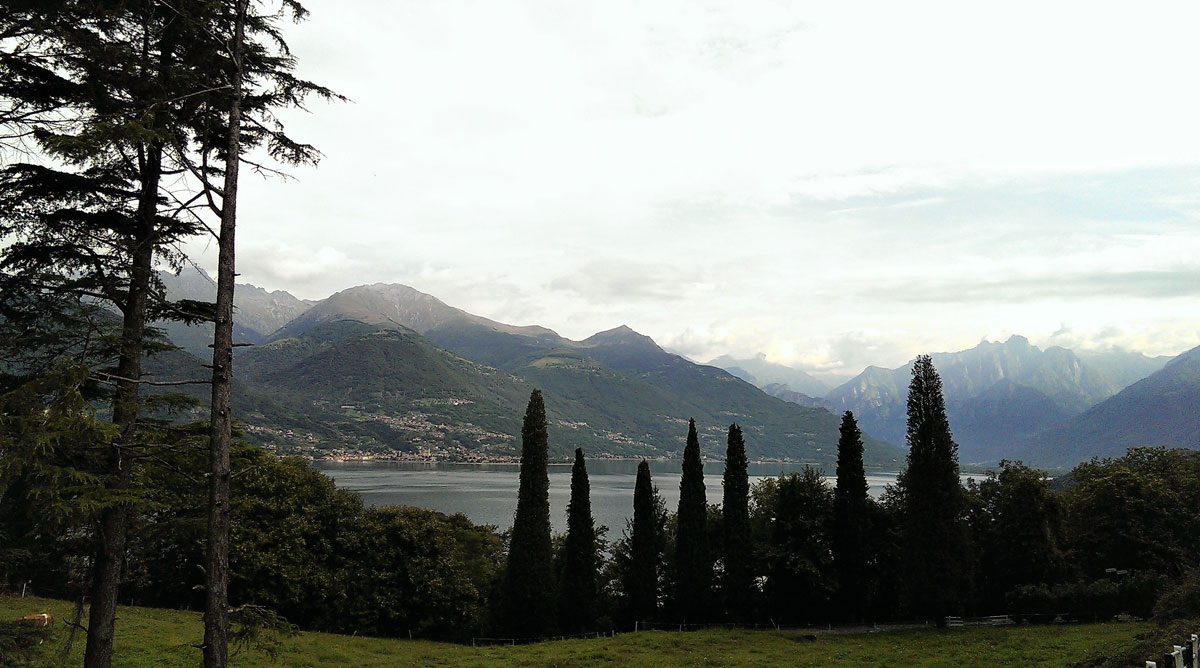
489,642
994,620
824,629
1181,656
21,589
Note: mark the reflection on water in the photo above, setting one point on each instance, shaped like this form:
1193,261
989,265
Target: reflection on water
487,493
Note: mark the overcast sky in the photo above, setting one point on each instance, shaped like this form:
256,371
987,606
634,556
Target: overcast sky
834,184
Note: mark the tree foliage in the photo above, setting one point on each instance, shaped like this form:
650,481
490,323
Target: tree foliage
119,100
798,562
1017,533
1128,512
851,530
577,584
527,596
311,552
693,563
737,554
639,555
936,548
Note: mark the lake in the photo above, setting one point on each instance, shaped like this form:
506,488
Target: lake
487,493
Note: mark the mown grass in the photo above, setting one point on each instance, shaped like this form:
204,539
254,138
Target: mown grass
152,638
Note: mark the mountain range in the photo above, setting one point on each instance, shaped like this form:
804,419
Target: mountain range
257,312
1005,399
387,368
758,371
1162,409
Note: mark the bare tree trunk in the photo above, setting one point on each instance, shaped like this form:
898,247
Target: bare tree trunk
114,521
216,611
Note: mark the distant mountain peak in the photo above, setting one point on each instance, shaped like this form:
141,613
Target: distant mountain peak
1017,341
402,305
1186,357
757,370
622,335
997,393
392,290
257,312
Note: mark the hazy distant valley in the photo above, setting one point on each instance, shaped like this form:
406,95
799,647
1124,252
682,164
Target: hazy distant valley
387,370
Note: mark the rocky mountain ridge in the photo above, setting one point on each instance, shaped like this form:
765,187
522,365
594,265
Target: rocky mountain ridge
1000,395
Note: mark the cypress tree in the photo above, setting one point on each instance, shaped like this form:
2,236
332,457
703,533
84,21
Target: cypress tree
527,595
641,578
935,534
851,523
577,591
735,521
693,566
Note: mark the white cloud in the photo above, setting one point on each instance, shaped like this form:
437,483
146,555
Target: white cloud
752,176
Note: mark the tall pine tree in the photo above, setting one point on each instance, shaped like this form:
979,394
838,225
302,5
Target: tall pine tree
693,565
641,576
122,98
935,531
527,596
851,524
97,226
735,524
577,589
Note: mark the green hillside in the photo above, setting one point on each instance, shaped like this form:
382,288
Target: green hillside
384,387
641,395
388,389
1162,409
384,368
717,398
154,638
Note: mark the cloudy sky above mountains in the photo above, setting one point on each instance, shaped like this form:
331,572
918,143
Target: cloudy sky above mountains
833,184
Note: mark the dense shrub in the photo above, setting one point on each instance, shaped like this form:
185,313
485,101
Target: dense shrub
311,552
1095,600
1180,600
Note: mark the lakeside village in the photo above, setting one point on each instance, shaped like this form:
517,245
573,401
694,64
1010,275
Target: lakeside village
299,443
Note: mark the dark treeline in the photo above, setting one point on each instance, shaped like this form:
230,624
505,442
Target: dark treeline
793,550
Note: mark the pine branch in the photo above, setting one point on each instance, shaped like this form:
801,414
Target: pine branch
109,377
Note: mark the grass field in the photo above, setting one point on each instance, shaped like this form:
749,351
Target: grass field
152,638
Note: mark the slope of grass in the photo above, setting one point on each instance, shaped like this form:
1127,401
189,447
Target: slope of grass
151,638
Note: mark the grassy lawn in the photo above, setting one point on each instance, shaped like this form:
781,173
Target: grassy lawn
151,638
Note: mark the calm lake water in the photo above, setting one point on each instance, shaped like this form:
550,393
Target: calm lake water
487,493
